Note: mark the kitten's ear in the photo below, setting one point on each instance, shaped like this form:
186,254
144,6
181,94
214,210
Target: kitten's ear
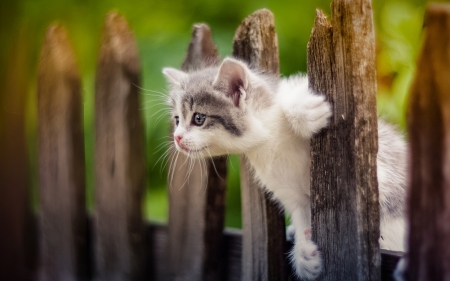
174,76
232,79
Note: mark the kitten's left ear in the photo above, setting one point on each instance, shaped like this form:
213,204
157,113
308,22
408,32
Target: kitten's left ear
232,79
174,76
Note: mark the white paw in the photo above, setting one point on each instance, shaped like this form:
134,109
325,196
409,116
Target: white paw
306,259
290,233
307,114
400,269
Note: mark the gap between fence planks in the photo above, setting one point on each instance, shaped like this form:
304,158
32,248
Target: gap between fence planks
429,133
344,188
119,157
197,195
264,240
61,162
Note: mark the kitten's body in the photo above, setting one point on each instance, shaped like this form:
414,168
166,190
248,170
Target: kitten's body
271,122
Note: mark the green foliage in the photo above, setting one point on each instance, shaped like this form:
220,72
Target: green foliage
399,42
163,29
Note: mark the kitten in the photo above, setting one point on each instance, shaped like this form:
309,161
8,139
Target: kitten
233,109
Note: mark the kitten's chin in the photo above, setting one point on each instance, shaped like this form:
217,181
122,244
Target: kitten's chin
194,153
205,152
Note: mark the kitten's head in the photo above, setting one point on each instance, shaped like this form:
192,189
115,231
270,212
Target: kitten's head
210,109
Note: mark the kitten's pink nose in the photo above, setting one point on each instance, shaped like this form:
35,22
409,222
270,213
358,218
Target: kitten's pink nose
178,139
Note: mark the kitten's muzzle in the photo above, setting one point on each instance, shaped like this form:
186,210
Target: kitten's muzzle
178,141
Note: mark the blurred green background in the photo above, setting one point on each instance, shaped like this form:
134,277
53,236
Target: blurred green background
162,30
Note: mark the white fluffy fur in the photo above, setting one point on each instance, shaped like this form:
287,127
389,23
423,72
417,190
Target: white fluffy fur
282,162
280,119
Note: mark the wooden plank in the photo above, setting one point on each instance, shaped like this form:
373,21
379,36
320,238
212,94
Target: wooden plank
264,245
119,156
15,213
344,187
197,196
156,236
232,256
61,161
429,178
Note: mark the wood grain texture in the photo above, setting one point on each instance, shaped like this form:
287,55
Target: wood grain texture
264,245
232,256
119,156
429,135
344,187
197,194
61,161
156,236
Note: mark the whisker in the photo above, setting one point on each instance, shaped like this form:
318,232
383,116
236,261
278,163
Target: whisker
150,106
147,90
161,157
205,165
214,165
173,168
169,182
229,158
170,150
161,118
186,175
157,112
184,163
158,147
156,102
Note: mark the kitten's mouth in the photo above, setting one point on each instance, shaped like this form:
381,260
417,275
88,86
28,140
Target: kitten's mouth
189,151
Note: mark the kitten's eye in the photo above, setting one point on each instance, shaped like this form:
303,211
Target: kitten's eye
199,119
177,120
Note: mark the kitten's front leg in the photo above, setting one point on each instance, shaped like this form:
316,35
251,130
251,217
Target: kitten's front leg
305,111
305,256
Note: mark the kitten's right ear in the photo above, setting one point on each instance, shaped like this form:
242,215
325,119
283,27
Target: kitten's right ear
174,76
232,79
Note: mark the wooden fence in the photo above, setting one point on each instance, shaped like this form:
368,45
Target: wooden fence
116,244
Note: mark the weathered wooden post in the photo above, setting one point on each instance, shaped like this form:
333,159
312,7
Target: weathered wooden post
264,245
119,156
197,199
61,161
429,135
15,213
344,188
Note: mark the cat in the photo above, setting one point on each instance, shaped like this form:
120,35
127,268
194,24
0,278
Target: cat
232,109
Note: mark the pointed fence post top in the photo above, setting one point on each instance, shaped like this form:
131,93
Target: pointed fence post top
119,43
57,52
255,41
202,51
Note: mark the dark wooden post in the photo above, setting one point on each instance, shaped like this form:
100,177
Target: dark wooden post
429,135
197,199
119,156
264,245
61,161
14,210
344,187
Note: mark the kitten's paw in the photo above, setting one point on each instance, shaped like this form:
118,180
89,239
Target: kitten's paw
400,269
290,233
307,114
306,258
